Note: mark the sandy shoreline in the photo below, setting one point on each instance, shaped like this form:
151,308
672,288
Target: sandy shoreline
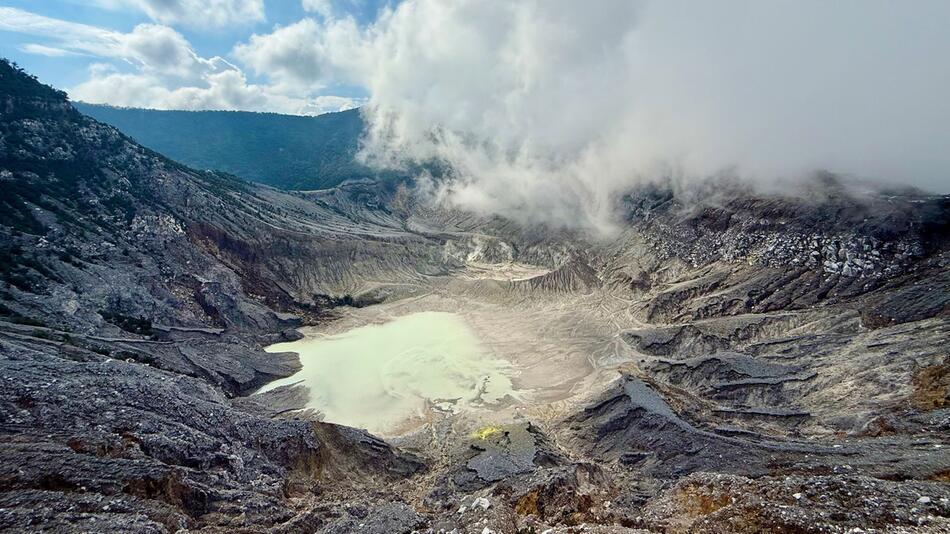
560,355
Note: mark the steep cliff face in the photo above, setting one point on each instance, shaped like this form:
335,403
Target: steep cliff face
811,316
136,296
102,236
779,363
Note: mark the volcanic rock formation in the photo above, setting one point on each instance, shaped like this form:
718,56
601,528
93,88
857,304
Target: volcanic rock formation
762,362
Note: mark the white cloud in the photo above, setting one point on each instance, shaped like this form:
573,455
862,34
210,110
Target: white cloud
167,72
549,109
305,55
150,46
328,104
195,13
324,8
48,51
161,50
81,36
226,90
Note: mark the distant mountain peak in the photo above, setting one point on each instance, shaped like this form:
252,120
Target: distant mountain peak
283,151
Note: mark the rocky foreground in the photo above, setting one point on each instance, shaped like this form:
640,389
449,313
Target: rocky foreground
785,359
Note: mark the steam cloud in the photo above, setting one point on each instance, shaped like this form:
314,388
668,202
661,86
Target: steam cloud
547,110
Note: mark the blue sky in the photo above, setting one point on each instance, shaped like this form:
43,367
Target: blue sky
34,39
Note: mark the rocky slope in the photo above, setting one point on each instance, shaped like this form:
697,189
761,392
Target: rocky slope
134,308
780,362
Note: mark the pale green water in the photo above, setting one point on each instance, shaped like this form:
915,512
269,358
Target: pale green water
380,376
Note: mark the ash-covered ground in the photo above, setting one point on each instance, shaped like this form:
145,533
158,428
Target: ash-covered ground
749,363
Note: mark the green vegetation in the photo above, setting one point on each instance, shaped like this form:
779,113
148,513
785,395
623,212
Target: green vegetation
284,151
16,82
34,181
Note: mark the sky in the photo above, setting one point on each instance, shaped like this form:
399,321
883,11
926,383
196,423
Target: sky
171,54
545,110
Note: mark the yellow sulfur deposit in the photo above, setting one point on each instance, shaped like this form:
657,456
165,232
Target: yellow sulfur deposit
487,432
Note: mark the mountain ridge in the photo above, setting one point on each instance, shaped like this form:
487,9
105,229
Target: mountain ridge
285,151
779,361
